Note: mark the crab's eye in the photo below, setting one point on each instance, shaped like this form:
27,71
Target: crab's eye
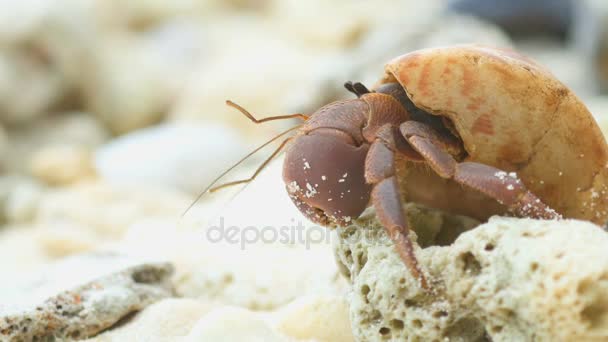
325,178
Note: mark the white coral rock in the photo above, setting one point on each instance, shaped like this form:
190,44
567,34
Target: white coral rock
508,280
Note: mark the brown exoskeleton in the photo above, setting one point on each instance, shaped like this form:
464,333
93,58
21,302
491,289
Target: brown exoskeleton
492,113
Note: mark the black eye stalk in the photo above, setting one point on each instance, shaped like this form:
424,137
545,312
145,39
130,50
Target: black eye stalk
356,88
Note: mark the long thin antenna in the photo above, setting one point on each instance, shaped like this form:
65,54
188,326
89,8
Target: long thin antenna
270,118
257,171
200,195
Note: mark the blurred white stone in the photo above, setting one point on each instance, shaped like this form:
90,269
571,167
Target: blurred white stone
28,87
18,243
260,71
74,129
108,210
62,164
174,48
328,24
22,202
455,29
320,318
343,24
127,71
60,239
20,20
310,318
4,146
123,87
143,13
182,156
164,321
19,196
232,324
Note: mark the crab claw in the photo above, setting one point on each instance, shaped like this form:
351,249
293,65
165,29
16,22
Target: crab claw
324,175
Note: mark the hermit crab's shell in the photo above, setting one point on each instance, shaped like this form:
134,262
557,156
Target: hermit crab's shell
513,114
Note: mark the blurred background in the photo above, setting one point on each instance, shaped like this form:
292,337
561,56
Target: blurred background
113,111
134,91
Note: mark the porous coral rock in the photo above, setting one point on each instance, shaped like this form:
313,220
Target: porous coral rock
509,279
533,280
386,302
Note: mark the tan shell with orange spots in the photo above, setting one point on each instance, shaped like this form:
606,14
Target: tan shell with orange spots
513,114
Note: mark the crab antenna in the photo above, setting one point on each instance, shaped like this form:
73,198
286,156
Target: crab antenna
200,195
270,118
257,171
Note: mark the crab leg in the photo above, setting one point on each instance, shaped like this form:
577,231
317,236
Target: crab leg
380,172
505,187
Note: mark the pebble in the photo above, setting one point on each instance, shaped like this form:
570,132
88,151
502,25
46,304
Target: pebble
167,320
78,130
62,164
21,70
179,156
105,209
322,318
233,324
80,296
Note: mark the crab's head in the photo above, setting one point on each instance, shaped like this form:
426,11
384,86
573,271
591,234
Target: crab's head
324,175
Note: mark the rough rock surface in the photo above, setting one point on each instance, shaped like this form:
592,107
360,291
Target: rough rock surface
509,279
80,297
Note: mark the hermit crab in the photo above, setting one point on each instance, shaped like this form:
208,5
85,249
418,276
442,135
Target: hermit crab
470,130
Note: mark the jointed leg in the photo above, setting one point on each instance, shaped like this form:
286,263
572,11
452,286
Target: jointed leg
380,171
505,187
